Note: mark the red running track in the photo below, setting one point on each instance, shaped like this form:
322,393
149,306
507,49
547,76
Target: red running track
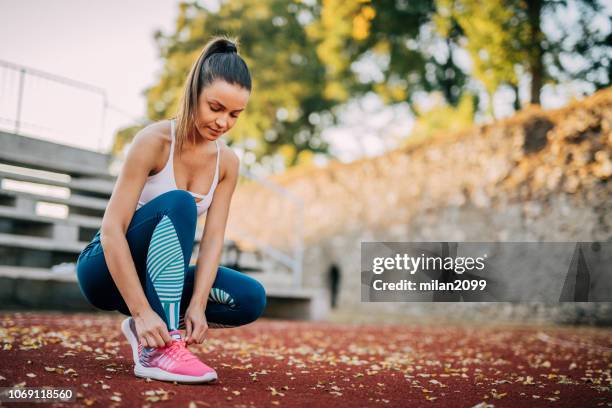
303,364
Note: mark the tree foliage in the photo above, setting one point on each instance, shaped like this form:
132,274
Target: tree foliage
495,38
374,46
442,117
506,39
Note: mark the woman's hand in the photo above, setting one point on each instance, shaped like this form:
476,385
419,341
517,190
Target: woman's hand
195,324
151,329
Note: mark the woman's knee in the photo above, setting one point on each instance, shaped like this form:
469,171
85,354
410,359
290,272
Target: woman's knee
180,205
253,302
90,283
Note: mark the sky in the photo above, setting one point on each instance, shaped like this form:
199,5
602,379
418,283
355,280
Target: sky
108,44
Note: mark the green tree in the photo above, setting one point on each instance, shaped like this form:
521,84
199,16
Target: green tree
388,47
442,118
506,37
374,46
493,39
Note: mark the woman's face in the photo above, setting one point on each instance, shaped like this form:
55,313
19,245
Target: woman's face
219,106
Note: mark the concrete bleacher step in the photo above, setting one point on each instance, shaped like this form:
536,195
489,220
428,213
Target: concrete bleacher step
23,151
91,185
52,235
14,221
69,276
17,285
80,220
73,201
49,244
40,243
23,272
272,279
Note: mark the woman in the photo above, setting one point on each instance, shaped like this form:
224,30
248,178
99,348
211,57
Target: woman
138,262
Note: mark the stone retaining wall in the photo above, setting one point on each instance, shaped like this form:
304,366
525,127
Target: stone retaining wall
538,176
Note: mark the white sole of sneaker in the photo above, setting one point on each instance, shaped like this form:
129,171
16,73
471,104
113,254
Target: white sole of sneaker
127,332
158,373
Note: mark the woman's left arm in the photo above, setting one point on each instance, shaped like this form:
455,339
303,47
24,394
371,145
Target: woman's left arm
211,246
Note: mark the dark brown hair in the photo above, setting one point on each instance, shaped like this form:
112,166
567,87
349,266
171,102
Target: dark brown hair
219,60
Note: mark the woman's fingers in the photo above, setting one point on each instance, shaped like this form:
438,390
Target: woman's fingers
200,334
197,326
188,330
140,338
165,336
147,341
195,330
157,338
153,339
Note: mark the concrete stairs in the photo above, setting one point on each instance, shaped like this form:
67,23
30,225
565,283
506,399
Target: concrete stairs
32,244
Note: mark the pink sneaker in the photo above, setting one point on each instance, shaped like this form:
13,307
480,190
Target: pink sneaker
170,363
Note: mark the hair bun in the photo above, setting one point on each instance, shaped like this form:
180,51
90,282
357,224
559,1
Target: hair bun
230,47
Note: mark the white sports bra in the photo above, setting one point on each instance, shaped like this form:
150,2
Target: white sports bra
164,181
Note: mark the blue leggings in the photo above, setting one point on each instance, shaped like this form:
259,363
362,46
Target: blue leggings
235,299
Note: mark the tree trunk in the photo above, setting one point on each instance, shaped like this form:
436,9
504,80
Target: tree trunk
536,52
517,99
491,107
447,83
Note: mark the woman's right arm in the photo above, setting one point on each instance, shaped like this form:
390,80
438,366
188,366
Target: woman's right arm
140,161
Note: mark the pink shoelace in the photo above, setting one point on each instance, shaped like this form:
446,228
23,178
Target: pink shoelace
178,351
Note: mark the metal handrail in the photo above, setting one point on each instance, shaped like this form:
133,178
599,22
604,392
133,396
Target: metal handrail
24,71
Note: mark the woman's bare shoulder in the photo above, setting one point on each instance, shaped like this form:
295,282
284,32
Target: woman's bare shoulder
157,132
154,140
230,162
